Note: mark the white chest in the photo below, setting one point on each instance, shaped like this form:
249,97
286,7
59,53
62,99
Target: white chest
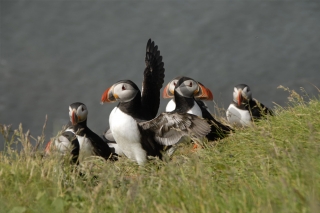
127,135
239,117
195,109
171,106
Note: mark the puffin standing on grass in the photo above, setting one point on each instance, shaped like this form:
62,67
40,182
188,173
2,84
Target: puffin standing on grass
244,109
90,143
133,124
188,95
77,139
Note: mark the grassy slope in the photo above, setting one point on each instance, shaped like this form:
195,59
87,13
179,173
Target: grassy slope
272,167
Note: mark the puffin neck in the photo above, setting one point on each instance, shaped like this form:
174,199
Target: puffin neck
80,125
133,107
183,104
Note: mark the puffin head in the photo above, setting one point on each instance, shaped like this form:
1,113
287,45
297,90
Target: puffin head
78,113
187,87
168,91
241,94
122,91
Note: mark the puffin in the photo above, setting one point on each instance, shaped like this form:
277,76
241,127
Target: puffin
202,93
65,143
133,122
189,94
90,143
244,109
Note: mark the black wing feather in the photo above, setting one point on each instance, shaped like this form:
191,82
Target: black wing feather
101,148
218,130
153,81
258,110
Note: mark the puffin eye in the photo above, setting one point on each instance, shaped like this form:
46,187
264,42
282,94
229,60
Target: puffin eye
190,84
174,83
123,87
82,109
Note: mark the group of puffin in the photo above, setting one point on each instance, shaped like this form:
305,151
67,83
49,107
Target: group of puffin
136,131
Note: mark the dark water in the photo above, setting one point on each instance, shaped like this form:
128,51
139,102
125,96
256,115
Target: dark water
54,53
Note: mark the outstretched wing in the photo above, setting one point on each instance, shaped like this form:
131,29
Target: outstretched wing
153,80
168,128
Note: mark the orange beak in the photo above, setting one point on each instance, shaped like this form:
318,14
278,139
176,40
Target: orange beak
204,93
167,93
47,149
74,118
239,97
108,96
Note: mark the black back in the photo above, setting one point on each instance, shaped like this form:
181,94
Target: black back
256,109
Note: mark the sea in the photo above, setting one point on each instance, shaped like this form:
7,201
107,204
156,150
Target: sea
54,53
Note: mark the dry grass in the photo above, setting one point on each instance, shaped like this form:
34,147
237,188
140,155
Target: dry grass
271,167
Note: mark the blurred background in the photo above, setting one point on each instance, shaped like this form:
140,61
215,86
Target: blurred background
54,53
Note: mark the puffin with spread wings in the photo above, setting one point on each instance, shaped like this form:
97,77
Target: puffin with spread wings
133,123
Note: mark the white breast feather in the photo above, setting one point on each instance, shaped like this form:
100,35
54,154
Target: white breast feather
127,135
171,106
237,116
195,109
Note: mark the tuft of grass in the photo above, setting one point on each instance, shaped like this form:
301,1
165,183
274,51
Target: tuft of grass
272,167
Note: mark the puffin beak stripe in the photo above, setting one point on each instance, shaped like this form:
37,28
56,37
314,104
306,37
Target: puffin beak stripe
167,93
239,97
204,93
108,96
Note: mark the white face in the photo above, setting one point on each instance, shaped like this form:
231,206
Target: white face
172,85
124,92
245,93
188,88
81,113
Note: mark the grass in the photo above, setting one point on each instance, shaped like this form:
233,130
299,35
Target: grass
271,167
